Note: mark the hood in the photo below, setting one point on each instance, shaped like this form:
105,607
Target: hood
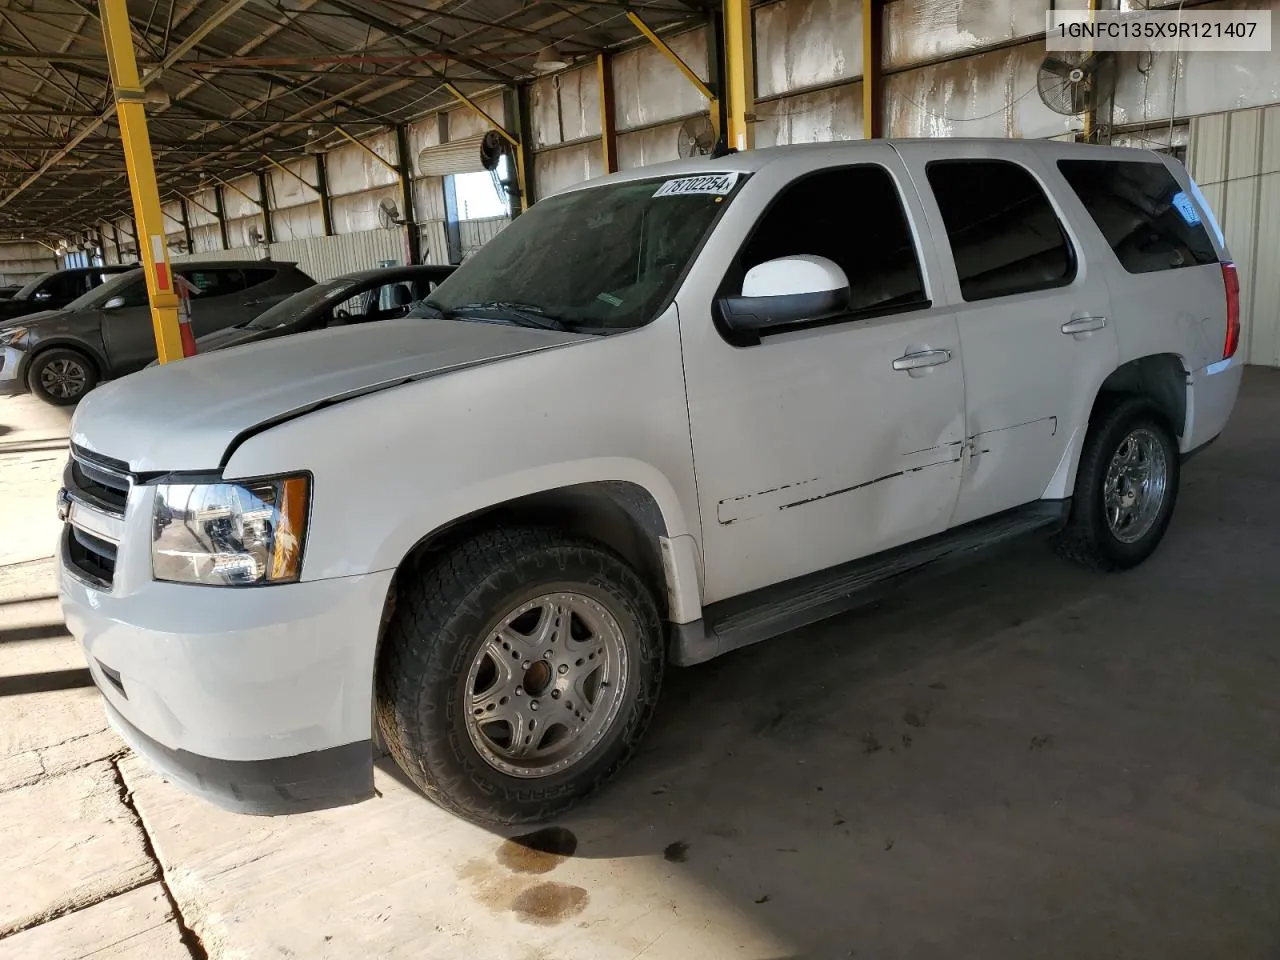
229,337
9,321
184,416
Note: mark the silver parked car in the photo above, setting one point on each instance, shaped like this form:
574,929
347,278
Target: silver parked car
59,355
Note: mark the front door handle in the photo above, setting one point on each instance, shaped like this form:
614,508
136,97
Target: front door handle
921,359
1084,325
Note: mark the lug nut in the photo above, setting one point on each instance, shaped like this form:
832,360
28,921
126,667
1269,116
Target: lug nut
519,691
563,669
533,704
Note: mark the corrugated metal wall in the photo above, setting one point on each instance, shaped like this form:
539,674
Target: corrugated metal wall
1235,158
476,233
322,257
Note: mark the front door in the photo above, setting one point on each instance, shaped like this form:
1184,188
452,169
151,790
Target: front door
127,331
811,446
1034,317
217,298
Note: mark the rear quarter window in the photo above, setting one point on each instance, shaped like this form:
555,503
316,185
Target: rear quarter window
1150,222
257,275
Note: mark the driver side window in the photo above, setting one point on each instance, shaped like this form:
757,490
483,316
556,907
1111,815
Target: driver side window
851,215
135,294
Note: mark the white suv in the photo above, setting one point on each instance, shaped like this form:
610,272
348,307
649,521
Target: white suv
660,416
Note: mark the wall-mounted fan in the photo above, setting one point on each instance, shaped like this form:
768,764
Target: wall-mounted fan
697,138
389,214
494,149
1072,81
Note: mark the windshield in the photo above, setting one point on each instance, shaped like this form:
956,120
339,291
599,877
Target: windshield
291,308
606,258
100,295
29,290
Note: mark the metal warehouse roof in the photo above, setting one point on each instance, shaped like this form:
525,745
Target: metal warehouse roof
244,78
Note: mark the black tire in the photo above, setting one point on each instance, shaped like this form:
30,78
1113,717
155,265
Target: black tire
444,615
65,368
1088,538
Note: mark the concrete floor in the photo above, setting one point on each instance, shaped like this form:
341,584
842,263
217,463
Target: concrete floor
1021,760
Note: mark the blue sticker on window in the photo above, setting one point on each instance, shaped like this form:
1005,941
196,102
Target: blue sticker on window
1182,203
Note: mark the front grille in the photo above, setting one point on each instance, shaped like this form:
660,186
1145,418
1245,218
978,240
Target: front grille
90,558
98,481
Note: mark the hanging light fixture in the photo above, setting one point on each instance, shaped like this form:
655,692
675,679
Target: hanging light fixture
549,60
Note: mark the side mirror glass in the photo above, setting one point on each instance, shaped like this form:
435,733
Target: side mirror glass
785,291
115,303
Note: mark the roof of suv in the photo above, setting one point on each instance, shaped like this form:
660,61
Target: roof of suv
751,161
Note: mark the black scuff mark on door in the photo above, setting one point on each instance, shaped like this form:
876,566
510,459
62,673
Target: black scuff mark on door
868,483
750,496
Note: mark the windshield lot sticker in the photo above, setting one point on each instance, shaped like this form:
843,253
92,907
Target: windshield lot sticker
716,184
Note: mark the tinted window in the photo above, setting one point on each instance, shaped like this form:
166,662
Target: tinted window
1004,234
257,275
853,216
1145,215
135,294
65,287
214,282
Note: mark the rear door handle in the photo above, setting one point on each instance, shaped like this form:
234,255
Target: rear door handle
921,359
1084,324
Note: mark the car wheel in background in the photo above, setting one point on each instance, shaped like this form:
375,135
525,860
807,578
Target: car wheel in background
61,376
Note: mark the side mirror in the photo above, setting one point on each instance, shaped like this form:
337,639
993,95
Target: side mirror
115,303
788,290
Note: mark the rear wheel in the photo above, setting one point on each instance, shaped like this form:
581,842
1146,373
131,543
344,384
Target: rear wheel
61,376
1126,487
518,673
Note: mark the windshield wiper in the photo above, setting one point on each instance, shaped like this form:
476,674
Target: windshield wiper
523,314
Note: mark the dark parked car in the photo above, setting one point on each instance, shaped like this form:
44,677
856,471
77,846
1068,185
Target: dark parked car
353,298
55,290
8,290
60,355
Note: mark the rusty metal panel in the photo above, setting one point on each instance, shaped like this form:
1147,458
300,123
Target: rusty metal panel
476,233
358,212
648,88
804,43
1234,158
985,95
350,169
556,170
831,114
565,107
464,122
1206,82
918,30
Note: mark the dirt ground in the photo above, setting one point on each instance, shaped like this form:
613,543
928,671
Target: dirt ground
1022,759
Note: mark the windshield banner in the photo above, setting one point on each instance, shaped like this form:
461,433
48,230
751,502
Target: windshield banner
716,184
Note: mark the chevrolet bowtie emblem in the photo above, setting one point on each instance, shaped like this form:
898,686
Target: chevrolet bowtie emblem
64,504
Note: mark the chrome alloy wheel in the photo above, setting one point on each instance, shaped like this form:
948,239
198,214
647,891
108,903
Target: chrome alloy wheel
1135,486
546,685
63,378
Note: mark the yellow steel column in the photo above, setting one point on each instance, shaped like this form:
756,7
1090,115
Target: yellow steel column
153,250
872,98
740,73
608,123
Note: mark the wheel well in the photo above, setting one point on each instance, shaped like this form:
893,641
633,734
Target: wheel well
43,348
617,514
1161,378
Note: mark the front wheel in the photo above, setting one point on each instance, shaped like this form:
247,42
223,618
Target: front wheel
61,376
518,673
1126,487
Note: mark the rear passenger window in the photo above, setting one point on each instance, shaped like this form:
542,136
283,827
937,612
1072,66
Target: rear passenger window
255,276
1145,215
215,283
853,216
1004,234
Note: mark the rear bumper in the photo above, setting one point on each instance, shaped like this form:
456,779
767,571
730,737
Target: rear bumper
13,381
297,784
1211,396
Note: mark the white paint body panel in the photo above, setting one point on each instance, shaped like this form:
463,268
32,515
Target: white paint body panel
765,462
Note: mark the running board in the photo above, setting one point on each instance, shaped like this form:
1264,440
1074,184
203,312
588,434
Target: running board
770,611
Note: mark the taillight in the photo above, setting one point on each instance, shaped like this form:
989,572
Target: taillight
1231,280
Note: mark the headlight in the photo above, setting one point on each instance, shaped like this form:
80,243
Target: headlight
230,534
12,335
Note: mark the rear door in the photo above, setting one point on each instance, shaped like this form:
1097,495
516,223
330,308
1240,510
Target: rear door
218,299
1033,314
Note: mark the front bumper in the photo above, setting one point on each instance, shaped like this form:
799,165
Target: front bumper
13,381
257,698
